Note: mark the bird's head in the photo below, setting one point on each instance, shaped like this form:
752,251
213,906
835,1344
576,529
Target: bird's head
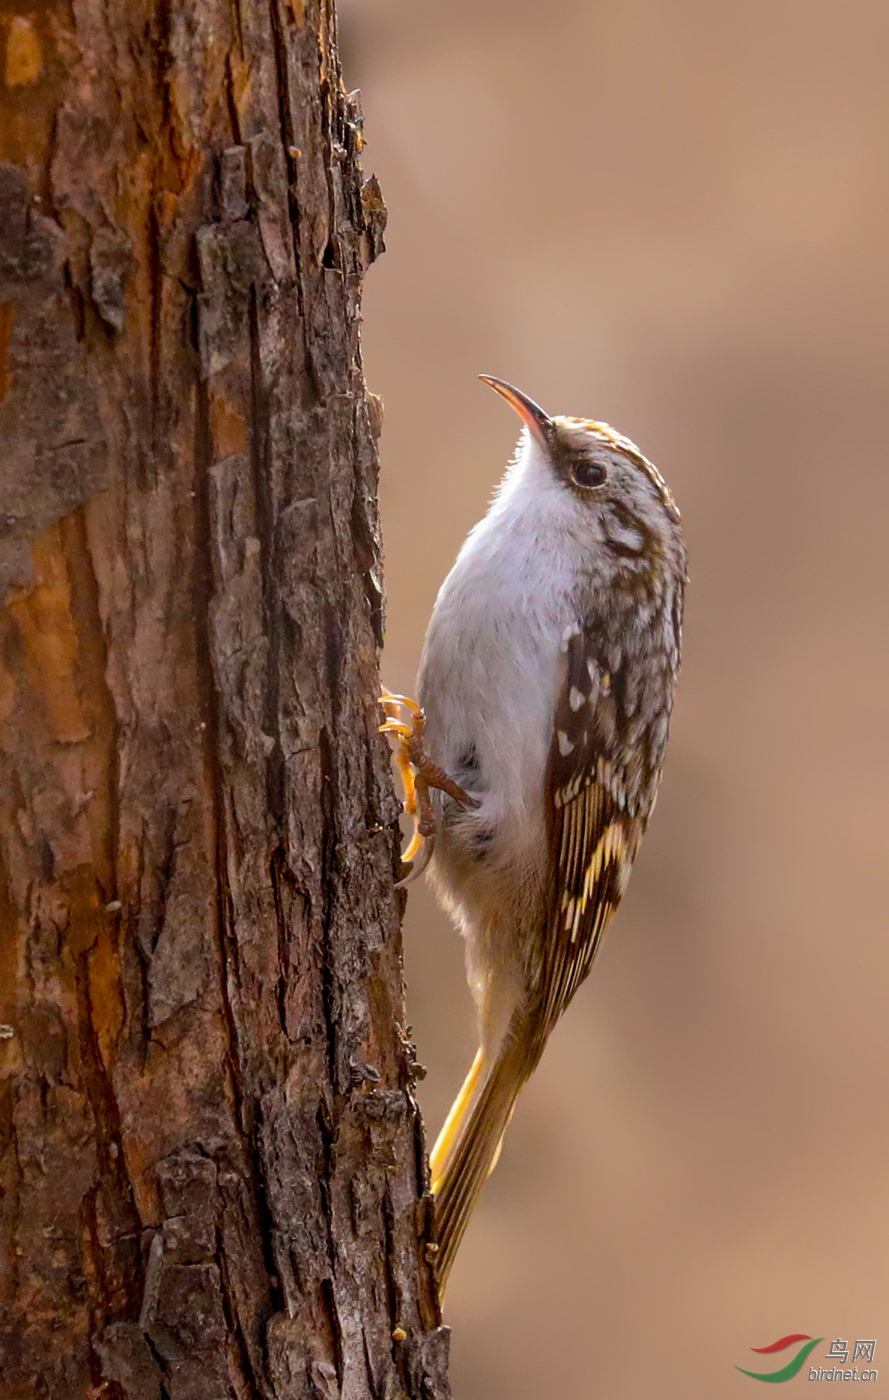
610,485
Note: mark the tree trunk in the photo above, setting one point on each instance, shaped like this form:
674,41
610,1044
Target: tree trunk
212,1180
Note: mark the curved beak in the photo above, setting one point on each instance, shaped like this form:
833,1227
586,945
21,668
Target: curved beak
532,415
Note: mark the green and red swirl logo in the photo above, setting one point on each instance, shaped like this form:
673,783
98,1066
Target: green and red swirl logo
787,1372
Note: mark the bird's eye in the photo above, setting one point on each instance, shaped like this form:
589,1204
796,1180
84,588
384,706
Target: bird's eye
588,473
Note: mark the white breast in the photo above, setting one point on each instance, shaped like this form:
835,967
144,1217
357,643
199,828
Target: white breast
490,664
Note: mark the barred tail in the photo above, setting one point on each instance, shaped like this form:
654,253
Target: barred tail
469,1143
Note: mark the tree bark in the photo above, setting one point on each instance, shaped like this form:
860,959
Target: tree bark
212,1173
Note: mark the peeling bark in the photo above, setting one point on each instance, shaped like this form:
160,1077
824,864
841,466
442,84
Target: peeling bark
212,1172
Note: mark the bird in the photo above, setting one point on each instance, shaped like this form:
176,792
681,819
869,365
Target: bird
532,755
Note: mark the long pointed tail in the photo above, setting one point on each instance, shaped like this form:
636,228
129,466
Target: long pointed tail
469,1143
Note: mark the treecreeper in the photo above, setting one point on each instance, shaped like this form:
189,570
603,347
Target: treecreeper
532,756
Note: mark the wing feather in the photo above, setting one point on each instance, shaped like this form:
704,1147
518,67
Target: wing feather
594,835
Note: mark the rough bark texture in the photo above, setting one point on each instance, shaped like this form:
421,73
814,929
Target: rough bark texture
211,1164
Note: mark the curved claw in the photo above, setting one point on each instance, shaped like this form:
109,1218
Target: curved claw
425,846
387,698
418,843
395,726
418,774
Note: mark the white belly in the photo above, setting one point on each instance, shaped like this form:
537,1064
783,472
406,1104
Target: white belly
488,682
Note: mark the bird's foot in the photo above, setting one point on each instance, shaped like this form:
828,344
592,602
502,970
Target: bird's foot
418,774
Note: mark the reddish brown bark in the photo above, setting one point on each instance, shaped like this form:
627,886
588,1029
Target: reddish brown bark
211,1162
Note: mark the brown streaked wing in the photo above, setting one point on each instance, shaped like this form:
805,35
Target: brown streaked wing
593,837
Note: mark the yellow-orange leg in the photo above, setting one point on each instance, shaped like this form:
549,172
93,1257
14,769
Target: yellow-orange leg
418,774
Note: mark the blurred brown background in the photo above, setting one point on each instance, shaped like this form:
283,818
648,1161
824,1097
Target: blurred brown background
672,216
